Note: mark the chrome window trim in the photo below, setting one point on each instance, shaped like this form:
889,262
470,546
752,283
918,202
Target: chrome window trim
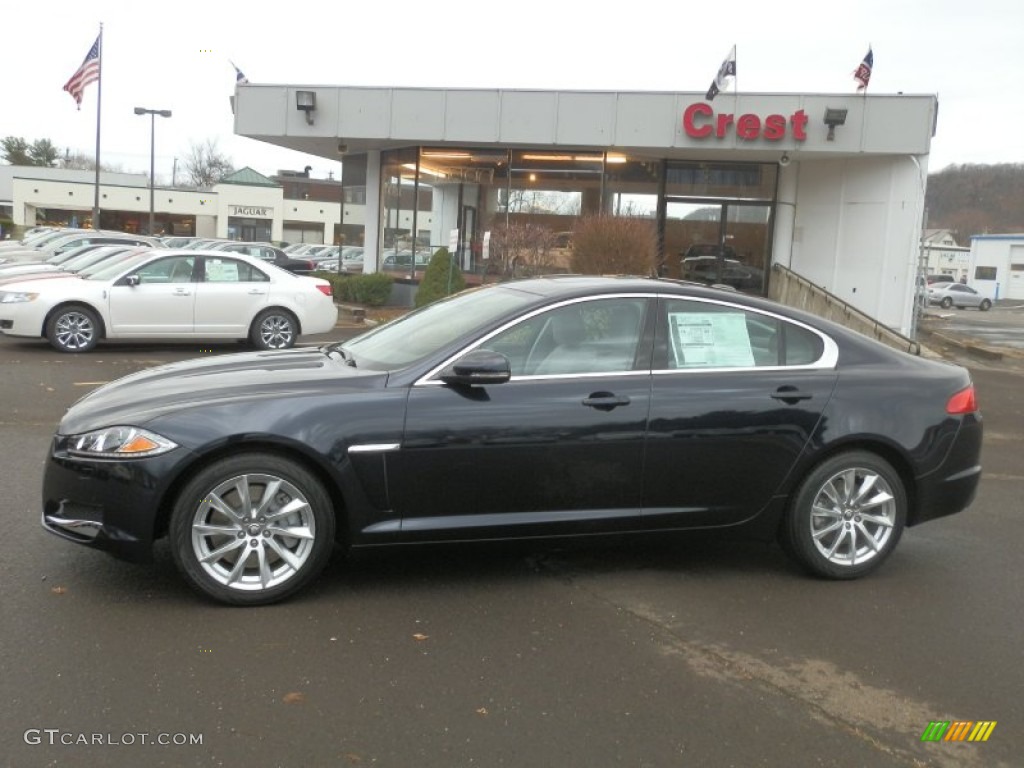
827,361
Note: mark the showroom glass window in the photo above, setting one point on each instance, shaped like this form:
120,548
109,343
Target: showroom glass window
717,223
405,209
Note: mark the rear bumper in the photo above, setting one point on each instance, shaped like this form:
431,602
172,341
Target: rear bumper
953,486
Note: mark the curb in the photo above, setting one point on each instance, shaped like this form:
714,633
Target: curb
969,346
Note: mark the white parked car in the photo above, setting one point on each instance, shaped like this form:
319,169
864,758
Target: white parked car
162,294
66,243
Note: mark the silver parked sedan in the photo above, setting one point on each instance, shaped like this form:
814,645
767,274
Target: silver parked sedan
957,295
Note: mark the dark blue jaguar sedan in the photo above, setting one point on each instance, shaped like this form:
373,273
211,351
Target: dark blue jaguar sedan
551,407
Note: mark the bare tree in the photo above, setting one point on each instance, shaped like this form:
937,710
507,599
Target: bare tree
79,161
522,249
614,245
205,165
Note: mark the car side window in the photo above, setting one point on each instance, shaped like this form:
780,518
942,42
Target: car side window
600,336
695,335
174,269
221,270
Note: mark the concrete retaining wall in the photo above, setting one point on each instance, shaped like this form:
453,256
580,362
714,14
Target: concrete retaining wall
789,288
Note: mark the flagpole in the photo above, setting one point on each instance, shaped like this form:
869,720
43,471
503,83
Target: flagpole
99,110
735,81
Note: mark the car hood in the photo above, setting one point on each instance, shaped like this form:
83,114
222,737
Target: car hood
247,377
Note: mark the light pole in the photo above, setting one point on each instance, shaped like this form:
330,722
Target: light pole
152,154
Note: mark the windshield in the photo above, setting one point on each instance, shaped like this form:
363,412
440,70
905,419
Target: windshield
430,329
91,256
49,237
107,260
110,271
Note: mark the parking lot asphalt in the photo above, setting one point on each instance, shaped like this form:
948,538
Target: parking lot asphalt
702,650
996,335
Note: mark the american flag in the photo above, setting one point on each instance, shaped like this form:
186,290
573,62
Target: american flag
240,78
89,72
863,73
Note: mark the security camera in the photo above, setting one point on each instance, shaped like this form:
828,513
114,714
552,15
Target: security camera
342,148
784,160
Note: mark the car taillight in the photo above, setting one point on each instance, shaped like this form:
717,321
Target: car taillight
326,289
964,401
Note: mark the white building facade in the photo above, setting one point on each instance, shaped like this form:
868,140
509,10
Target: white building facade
997,266
831,186
246,206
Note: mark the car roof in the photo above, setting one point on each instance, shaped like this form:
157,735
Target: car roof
556,287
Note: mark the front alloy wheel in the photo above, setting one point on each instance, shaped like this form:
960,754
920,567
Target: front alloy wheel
73,329
252,529
847,516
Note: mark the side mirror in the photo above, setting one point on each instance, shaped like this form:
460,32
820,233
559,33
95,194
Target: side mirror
481,366
132,280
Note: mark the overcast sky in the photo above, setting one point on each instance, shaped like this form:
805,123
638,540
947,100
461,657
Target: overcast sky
176,56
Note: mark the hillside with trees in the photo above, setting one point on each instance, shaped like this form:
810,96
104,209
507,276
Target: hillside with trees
976,200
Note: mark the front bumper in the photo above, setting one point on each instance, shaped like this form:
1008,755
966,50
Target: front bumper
112,505
21,319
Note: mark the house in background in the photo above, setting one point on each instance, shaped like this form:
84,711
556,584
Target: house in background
940,255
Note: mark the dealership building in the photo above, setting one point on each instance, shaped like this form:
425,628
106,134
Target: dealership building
830,186
246,205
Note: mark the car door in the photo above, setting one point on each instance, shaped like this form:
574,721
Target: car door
156,299
964,296
557,449
736,396
229,294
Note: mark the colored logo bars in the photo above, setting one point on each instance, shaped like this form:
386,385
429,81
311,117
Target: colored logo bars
958,730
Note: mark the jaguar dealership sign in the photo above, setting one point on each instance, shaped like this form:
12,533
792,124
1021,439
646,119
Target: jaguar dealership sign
252,211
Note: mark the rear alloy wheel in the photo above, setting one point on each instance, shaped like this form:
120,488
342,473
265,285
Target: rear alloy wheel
846,517
274,329
73,329
985,305
252,529
947,303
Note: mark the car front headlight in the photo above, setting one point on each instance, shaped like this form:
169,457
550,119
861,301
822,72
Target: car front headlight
119,443
15,297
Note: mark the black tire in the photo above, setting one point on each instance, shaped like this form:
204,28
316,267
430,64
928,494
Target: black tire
266,564
985,305
947,303
73,328
274,329
846,517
